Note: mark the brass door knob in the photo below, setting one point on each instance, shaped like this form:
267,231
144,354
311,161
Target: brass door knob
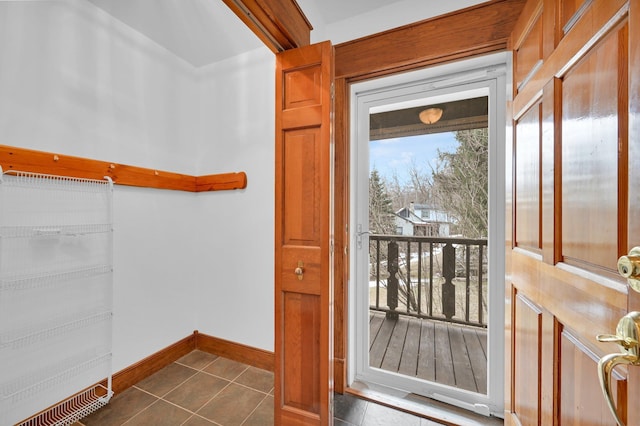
299,271
629,267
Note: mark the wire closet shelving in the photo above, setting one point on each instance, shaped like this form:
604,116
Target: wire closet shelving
56,276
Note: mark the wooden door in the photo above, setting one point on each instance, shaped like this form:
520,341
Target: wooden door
303,258
572,208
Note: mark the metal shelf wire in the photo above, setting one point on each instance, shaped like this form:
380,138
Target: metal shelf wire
56,275
73,409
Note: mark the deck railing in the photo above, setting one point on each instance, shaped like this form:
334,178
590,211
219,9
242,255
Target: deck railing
429,277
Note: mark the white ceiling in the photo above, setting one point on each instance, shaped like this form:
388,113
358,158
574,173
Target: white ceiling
206,31
199,31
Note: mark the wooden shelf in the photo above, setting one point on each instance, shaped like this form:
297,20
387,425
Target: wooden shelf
13,158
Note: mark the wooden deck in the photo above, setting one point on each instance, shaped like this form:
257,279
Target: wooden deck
437,351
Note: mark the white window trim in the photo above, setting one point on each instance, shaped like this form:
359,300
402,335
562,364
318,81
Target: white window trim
489,75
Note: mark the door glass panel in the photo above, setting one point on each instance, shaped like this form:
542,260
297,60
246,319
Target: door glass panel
428,251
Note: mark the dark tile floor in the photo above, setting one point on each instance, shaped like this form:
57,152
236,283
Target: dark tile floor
203,389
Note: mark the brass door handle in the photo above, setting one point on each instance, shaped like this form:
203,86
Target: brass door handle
605,367
299,271
627,338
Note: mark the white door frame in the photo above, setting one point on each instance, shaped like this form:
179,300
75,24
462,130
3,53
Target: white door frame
481,76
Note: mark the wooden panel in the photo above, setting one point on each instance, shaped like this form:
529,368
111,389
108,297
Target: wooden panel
599,18
303,307
590,157
303,87
479,29
341,243
588,91
529,54
527,169
27,160
551,169
633,143
582,402
301,355
527,344
570,296
279,24
549,353
569,11
300,203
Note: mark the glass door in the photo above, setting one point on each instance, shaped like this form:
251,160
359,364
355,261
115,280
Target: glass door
426,297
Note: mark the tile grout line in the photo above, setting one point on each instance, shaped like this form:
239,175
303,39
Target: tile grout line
254,410
179,406
140,412
203,418
196,371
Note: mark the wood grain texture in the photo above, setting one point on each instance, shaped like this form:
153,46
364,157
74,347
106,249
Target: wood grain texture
255,357
155,362
222,181
582,402
527,358
569,294
586,89
527,180
529,53
144,368
594,24
633,160
303,307
551,156
633,230
476,30
341,238
590,157
280,24
27,160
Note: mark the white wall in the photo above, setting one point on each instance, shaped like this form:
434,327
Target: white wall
237,227
76,80
73,80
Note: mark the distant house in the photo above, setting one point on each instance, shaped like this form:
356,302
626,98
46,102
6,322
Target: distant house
423,220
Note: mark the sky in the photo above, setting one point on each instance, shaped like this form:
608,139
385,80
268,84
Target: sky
390,156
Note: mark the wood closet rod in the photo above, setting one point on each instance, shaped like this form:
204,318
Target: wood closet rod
27,160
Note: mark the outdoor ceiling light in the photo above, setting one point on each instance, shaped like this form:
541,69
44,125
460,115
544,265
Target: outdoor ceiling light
430,115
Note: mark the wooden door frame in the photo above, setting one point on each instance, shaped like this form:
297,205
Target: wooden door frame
474,31
354,63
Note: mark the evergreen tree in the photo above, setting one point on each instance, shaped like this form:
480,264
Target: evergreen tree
460,182
381,219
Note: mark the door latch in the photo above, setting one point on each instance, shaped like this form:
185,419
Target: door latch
629,267
359,236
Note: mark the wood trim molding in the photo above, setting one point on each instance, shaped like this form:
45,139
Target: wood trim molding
480,29
258,358
27,160
144,368
281,25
